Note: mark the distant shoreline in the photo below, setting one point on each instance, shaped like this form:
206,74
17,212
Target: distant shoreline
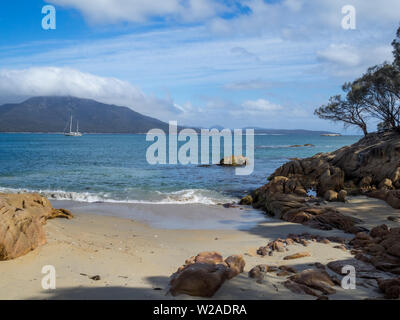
131,133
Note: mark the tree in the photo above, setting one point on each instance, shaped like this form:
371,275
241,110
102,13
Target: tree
346,111
396,49
374,95
378,90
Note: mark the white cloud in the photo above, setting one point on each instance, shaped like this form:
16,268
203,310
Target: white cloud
261,105
114,11
52,81
341,54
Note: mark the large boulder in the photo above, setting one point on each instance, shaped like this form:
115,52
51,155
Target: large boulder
198,279
22,217
202,275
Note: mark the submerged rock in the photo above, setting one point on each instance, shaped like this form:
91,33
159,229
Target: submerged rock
247,201
234,161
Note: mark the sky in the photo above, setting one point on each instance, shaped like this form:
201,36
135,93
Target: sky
234,63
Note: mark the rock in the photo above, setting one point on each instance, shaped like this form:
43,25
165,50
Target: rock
236,265
299,288
334,220
297,255
95,278
390,287
314,279
365,184
363,269
331,195
230,205
356,169
393,218
247,201
263,251
380,248
386,184
394,250
203,275
211,257
22,217
234,161
379,231
277,245
342,195
198,279
393,198
319,265
302,145
60,213
258,272
288,269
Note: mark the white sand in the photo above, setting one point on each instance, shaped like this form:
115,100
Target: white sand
133,258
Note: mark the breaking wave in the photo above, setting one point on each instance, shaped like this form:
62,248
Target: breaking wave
186,196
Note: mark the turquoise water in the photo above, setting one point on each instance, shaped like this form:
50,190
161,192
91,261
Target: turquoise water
113,168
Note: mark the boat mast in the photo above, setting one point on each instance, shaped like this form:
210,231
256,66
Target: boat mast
70,125
77,126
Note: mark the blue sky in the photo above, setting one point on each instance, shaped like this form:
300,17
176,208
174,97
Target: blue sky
200,62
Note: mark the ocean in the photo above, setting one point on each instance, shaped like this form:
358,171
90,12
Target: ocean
113,168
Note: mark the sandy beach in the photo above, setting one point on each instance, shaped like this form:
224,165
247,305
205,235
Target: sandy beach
134,259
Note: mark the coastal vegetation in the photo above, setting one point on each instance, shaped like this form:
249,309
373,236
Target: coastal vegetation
375,95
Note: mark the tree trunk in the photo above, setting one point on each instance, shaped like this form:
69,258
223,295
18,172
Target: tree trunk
364,129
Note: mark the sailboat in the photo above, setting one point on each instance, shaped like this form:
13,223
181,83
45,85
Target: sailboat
72,133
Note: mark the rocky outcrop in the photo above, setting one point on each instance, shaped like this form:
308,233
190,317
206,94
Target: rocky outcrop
381,248
22,217
287,198
204,274
369,167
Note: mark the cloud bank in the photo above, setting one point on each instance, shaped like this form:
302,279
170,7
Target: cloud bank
53,81
114,11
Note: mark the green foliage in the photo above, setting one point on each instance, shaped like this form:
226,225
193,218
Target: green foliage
374,95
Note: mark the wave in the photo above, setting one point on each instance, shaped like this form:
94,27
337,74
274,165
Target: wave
185,196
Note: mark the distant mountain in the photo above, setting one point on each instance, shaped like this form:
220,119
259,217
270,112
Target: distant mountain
258,130
51,114
287,131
